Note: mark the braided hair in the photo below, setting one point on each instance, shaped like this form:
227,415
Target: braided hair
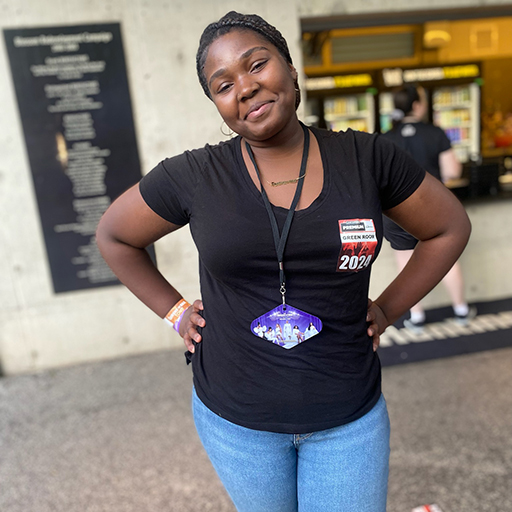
236,21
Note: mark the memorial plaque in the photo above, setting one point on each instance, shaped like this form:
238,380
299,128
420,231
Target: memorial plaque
73,97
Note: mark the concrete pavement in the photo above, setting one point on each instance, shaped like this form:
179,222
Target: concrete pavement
118,436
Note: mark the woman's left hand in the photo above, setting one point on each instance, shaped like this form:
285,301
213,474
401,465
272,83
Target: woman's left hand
378,323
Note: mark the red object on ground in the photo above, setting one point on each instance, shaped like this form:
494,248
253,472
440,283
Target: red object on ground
427,508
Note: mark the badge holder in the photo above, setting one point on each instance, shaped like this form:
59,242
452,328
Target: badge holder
285,325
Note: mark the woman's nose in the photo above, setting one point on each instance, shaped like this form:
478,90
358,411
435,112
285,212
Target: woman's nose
247,88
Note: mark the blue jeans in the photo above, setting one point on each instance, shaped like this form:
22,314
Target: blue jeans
342,469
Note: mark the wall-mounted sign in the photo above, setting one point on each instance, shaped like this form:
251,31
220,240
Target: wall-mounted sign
397,76
338,82
76,113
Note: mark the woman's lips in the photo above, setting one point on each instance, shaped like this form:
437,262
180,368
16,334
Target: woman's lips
258,110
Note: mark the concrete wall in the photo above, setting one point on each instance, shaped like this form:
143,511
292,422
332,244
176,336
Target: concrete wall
39,329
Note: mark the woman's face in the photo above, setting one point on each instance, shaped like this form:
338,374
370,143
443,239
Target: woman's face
251,84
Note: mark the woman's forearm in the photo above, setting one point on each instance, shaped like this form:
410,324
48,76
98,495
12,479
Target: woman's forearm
135,269
430,262
434,216
123,232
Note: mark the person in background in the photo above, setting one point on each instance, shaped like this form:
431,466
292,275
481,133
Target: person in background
431,148
287,428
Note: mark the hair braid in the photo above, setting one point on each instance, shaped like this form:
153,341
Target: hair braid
232,21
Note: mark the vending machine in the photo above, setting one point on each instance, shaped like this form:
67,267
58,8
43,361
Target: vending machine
355,111
456,109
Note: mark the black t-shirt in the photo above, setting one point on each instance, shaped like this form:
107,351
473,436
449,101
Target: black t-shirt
332,378
424,142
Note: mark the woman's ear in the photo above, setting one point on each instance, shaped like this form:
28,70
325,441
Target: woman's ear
295,77
294,73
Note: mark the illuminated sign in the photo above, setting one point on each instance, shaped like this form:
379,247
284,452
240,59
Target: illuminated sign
338,82
397,76
468,71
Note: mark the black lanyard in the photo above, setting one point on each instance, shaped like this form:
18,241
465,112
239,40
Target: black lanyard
280,240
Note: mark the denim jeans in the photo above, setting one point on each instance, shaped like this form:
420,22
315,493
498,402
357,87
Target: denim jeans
342,469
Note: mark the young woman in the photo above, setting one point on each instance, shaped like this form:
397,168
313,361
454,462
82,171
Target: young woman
301,427
298,335
310,331
259,330
287,330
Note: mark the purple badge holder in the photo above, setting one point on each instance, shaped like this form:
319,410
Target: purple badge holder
286,326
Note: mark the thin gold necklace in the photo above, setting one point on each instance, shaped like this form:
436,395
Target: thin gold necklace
286,182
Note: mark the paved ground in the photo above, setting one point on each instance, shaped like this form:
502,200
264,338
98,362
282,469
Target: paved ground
118,437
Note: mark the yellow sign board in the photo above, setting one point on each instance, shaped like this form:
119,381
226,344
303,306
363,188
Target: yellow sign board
339,82
398,76
466,71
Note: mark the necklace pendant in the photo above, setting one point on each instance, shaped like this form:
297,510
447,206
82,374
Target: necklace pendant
287,182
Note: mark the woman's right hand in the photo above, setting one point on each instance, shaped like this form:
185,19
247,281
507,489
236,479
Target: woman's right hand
377,322
190,322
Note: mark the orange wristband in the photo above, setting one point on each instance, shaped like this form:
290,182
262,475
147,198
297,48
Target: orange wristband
173,317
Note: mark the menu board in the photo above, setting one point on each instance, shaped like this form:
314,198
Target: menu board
73,97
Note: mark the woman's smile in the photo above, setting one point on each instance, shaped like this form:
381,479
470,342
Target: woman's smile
258,109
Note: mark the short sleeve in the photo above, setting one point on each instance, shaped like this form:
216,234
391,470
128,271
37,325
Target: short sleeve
168,189
396,173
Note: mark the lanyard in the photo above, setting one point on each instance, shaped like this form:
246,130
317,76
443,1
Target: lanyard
280,240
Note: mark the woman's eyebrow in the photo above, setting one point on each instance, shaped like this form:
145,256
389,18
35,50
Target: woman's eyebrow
244,55
249,52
